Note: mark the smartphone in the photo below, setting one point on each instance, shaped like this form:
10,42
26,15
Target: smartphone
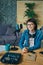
41,52
32,52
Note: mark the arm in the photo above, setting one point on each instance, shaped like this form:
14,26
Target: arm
42,35
38,43
35,47
22,40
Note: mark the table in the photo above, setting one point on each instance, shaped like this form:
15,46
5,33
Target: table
39,58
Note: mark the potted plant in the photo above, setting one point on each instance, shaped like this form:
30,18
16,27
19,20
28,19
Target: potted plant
30,13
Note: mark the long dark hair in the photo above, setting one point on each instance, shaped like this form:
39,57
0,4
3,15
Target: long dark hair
33,21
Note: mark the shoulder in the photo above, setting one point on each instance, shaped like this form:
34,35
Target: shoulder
25,31
39,31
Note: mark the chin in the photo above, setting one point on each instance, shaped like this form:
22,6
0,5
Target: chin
30,29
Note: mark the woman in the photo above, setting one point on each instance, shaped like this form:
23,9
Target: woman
31,38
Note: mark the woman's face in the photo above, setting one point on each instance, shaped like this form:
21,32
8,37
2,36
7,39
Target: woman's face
30,26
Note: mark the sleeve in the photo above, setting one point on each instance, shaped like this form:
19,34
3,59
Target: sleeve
36,46
22,40
42,35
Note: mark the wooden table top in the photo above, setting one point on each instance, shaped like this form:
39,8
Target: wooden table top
25,61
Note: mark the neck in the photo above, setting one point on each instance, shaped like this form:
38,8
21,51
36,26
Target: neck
32,31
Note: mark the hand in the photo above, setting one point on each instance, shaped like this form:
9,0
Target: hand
25,50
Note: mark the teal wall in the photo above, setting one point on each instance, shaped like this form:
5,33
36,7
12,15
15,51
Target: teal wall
8,12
